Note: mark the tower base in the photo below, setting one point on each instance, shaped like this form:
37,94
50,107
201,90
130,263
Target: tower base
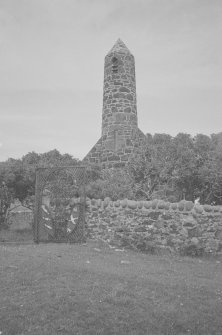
117,152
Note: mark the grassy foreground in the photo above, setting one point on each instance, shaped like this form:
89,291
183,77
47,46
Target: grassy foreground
52,289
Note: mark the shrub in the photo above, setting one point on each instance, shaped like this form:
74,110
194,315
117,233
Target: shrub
115,184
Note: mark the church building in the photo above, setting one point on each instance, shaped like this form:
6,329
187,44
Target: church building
121,138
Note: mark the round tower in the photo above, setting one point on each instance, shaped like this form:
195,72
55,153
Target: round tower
121,138
119,117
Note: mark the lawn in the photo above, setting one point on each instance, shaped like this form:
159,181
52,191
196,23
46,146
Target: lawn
92,289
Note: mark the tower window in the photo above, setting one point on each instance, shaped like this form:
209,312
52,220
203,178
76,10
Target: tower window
114,65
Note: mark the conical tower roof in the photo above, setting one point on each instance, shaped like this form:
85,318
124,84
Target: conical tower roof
119,47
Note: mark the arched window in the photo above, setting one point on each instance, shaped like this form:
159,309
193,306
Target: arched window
114,65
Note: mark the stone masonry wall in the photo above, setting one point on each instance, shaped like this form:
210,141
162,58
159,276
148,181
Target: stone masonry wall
100,155
149,226
119,93
121,138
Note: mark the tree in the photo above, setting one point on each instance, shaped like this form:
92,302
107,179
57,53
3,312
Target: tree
19,174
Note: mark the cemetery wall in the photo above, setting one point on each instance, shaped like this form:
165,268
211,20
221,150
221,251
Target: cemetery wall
153,226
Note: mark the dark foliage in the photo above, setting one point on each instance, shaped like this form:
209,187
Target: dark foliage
181,167
171,168
19,174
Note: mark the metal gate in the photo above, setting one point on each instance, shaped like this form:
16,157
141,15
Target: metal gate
60,204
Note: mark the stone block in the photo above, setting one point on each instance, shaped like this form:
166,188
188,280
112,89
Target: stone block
154,203
132,204
124,89
123,203
94,202
120,117
181,205
129,97
217,209
140,204
99,202
193,231
158,224
218,234
174,206
119,165
129,142
124,157
106,201
189,222
189,205
161,204
195,241
127,110
198,209
167,205
167,216
147,204
116,95
154,215
114,158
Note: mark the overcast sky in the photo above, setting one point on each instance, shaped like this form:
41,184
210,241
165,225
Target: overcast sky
52,59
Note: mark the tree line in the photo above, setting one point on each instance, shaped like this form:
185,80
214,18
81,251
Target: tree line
169,168
181,167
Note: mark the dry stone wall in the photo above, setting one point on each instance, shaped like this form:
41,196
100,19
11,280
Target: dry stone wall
153,226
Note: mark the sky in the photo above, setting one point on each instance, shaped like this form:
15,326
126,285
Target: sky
52,62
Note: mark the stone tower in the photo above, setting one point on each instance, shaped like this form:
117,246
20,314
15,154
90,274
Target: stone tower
121,137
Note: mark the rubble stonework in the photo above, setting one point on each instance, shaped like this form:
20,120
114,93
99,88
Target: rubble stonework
152,226
121,138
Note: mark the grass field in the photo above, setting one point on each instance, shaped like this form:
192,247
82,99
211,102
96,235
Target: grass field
91,289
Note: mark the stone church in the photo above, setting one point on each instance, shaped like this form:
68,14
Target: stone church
121,139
